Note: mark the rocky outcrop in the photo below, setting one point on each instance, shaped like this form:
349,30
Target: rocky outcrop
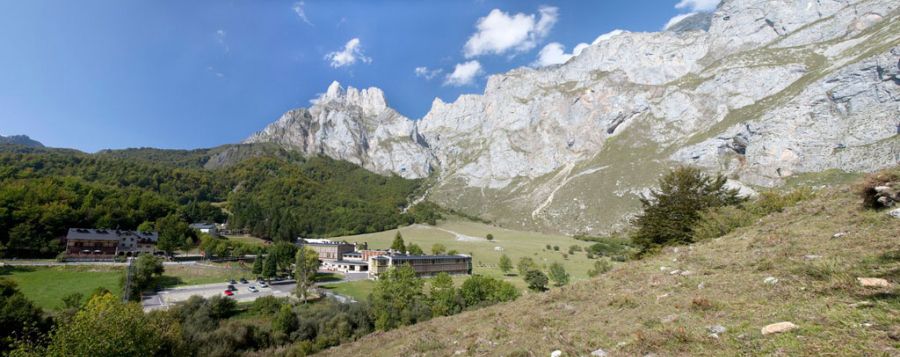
20,140
356,126
769,91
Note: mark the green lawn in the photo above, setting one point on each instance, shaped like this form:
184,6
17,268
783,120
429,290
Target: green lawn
259,242
358,290
199,274
46,286
485,254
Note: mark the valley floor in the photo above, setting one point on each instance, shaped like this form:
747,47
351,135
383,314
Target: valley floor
711,298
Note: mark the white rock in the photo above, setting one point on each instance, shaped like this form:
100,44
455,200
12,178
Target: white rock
894,213
778,327
599,353
874,282
556,353
770,280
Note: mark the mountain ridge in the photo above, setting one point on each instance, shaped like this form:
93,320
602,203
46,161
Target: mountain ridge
766,92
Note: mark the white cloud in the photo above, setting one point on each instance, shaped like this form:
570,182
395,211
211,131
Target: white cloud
463,74
220,39
427,73
607,36
697,5
676,19
500,32
555,52
348,56
301,13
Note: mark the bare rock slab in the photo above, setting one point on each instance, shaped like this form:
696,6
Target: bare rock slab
779,327
873,282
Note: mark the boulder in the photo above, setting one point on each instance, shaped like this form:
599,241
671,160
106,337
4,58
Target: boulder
873,282
778,327
599,353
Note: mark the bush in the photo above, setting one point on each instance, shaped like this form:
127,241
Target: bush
489,237
600,267
770,202
556,248
537,280
558,274
719,221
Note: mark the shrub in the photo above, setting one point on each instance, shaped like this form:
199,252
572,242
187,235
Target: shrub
490,237
719,221
772,201
671,211
558,274
556,248
526,264
601,266
536,280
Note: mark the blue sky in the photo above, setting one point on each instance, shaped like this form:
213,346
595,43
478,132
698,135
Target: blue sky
95,74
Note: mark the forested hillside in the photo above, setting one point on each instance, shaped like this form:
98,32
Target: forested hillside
43,192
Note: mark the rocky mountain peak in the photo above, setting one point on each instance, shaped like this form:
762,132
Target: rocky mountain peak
770,90
370,100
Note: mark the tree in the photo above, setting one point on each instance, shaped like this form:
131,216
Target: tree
536,280
305,268
558,274
525,265
398,245
414,249
147,268
444,296
108,327
505,264
395,297
146,226
257,265
480,290
284,254
285,321
601,266
270,267
670,212
174,234
438,249
73,300
489,237
20,319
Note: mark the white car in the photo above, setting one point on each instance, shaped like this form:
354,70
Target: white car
253,289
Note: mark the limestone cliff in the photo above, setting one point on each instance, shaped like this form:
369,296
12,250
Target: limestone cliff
767,91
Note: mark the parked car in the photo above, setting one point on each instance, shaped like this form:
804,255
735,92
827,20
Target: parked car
228,293
232,281
243,281
231,288
263,285
253,289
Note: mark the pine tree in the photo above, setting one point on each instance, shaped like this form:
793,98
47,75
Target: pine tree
398,244
258,265
270,267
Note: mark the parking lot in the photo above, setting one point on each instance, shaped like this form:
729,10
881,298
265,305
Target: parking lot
284,288
163,299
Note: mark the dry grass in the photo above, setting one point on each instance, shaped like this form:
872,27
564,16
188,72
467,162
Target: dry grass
639,308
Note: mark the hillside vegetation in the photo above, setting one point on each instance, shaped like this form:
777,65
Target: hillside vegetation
43,192
710,298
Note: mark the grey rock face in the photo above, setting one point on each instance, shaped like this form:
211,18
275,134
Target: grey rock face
771,90
355,126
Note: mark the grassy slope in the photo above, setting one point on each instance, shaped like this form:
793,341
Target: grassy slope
638,309
485,258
